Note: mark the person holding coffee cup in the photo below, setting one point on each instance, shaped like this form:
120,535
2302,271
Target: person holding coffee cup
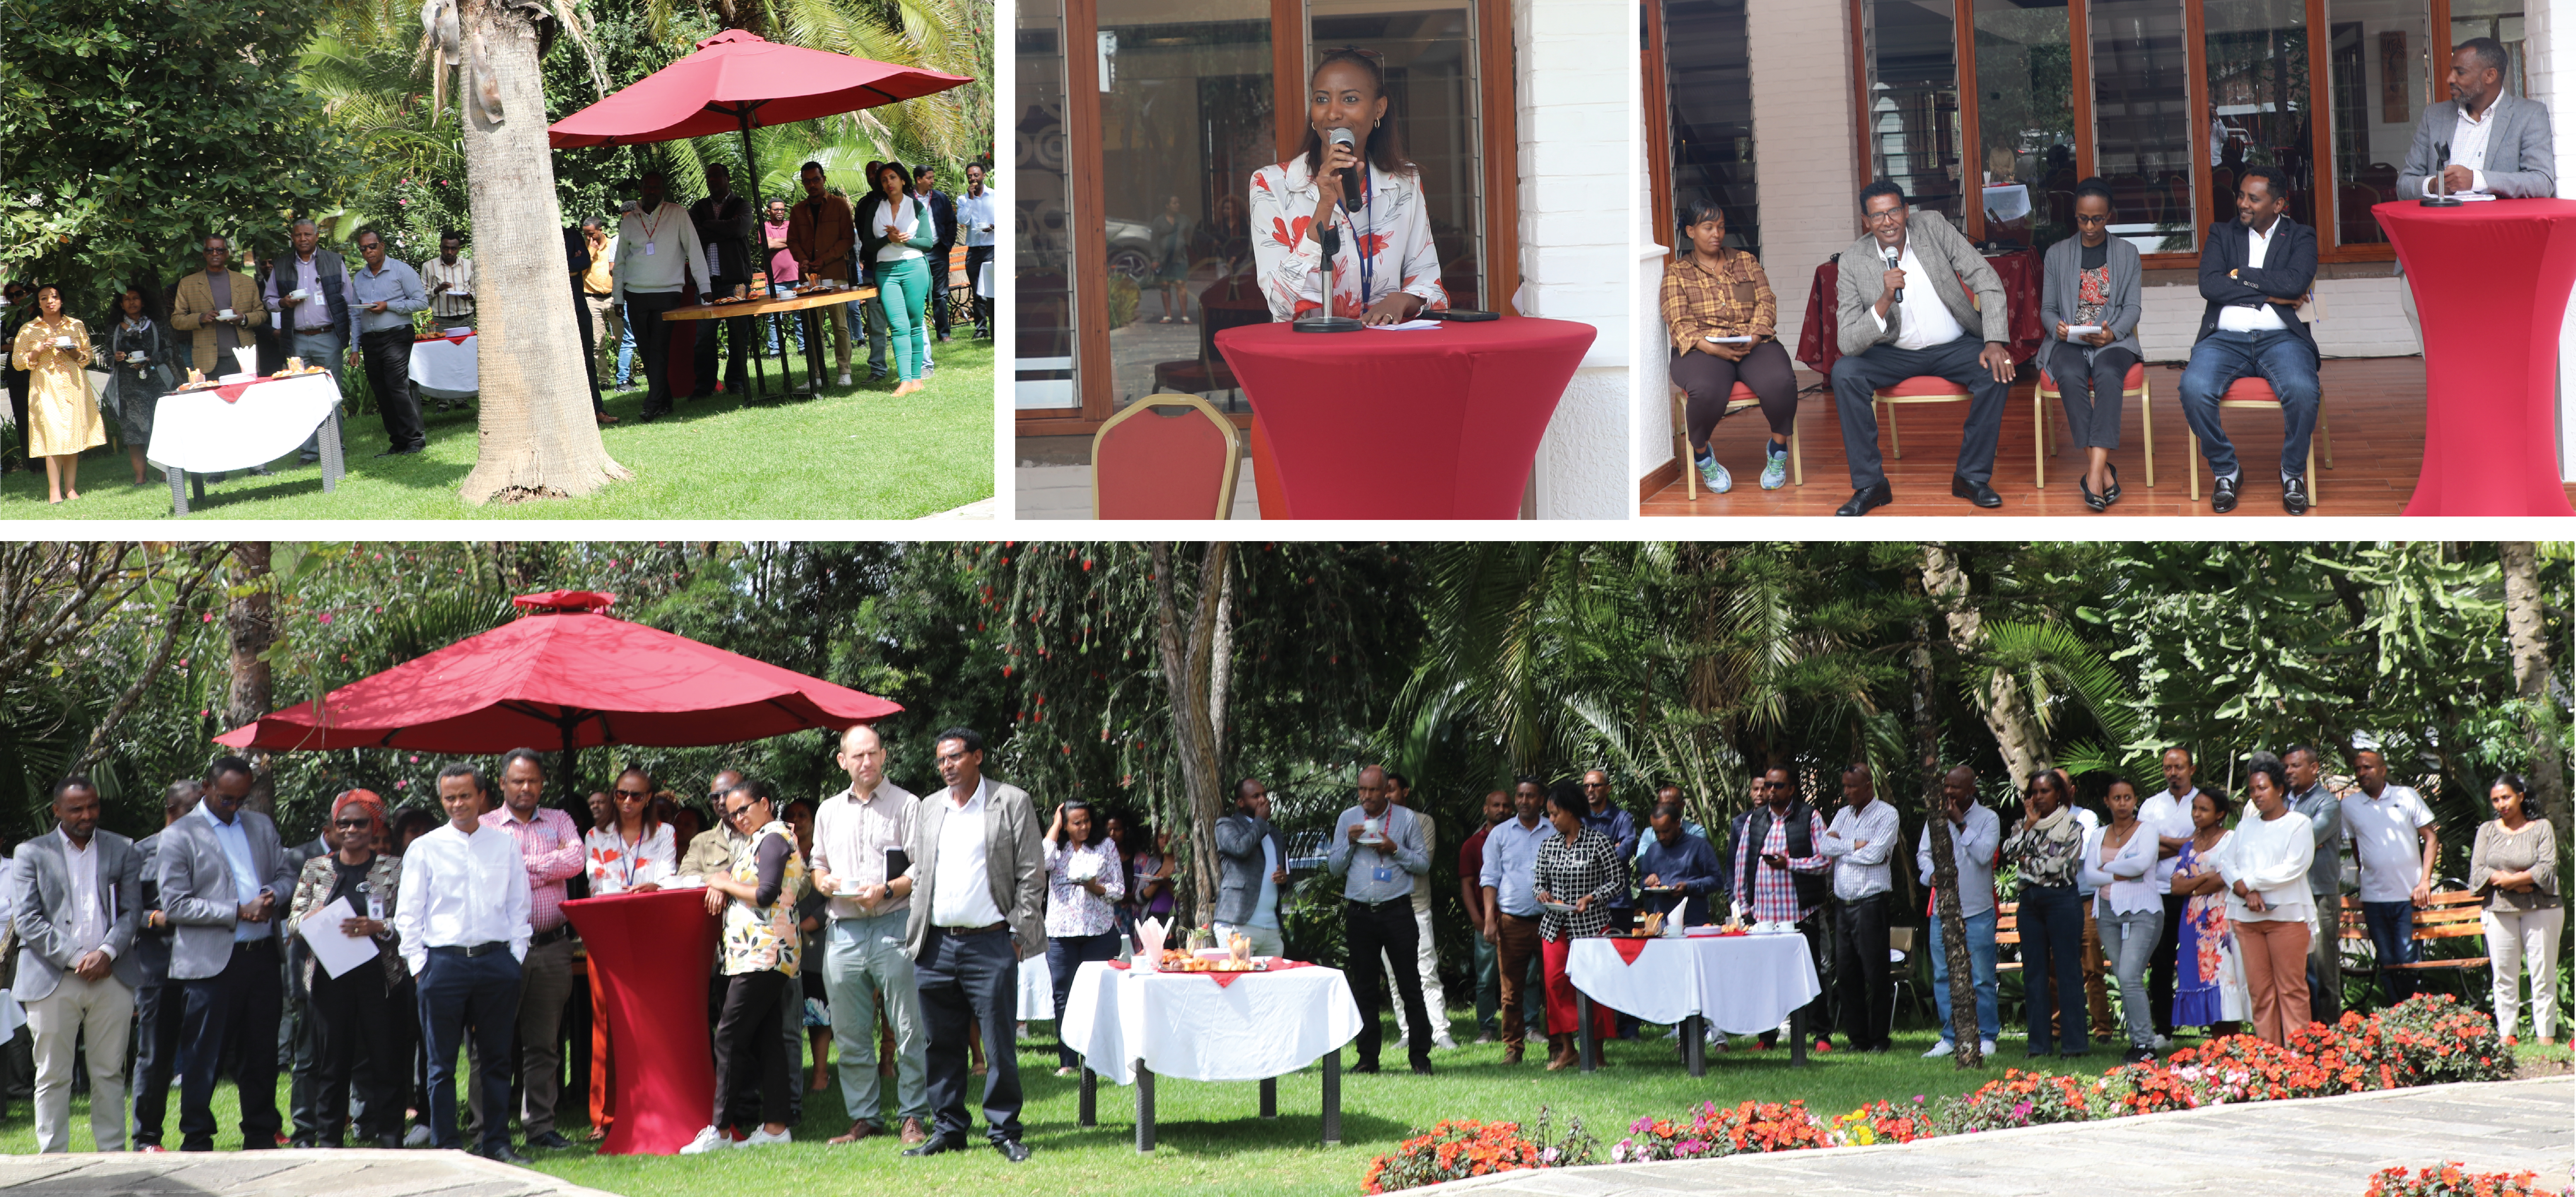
220,305
62,415
141,355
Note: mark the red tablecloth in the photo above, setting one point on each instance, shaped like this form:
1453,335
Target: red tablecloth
2491,282
2018,271
1435,424
651,954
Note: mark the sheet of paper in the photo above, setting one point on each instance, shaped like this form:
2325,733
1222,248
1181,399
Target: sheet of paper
1407,326
335,952
1729,340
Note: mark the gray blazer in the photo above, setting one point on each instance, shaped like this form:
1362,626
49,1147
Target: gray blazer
2520,162
1014,864
1943,253
43,898
197,894
1238,864
2061,279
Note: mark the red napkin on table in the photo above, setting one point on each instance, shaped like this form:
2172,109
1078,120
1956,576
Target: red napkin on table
232,392
450,340
1628,949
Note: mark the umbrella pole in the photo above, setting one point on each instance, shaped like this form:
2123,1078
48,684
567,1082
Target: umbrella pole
580,811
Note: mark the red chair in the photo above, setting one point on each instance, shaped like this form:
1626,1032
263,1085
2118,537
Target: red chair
1921,388
1737,400
2253,391
2134,387
1166,457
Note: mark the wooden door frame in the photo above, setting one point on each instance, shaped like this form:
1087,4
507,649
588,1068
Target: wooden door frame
1657,99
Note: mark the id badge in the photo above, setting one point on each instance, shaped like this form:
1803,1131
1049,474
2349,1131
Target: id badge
648,249
1382,874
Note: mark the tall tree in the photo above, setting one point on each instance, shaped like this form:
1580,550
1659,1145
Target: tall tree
250,618
2527,638
1999,700
1188,645
1967,1052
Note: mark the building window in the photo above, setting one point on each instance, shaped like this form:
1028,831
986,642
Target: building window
2380,52
2143,133
1709,85
1430,64
2026,122
1910,122
2498,19
2259,109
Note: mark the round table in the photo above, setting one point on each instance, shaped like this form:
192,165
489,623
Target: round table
1131,1027
1438,423
239,426
651,953
2491,282
445,367
1743,984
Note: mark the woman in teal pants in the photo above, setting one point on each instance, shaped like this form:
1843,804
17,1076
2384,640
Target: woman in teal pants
893,233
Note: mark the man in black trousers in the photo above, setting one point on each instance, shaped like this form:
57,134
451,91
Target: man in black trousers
1377,849
156,1001
943,215
722,220
225,882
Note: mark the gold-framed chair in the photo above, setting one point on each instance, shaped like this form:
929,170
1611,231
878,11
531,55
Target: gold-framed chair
1165,457
1739,399
2134,387
2254,391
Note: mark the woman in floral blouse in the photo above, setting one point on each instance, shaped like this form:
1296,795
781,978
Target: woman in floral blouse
1712,291
1084,884
761,954
2045,851
1578,874
1390,272
357,1008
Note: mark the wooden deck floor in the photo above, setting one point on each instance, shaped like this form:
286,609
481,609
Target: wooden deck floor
2374,415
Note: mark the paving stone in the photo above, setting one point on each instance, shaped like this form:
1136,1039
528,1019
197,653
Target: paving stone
353,1173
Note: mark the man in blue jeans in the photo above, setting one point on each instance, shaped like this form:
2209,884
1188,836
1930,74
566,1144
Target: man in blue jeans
2254,270
2392,836
1976,838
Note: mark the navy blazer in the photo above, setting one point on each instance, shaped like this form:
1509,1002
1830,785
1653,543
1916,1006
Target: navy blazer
2289,268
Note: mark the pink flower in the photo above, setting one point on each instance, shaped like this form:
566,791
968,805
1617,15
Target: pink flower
323,618
399,785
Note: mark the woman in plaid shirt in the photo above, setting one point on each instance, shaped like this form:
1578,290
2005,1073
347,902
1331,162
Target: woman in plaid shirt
1712,291
1578,868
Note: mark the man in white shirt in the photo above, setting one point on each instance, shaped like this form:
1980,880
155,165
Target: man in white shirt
225,882
2498,144
2392,836
450,280
462,919
75,897
978,882
2168,813
657,251
975,226
858,835
1976,839
2254,271
1863,834
1904,310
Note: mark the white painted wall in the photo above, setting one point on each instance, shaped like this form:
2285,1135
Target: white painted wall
2553,41
1569,57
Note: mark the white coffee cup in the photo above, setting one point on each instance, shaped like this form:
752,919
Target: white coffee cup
226,314
62,342
136,357
297,294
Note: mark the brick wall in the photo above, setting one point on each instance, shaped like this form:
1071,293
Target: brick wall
1568,59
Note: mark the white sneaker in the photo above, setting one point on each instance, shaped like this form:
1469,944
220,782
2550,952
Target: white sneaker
762,1138
2163,1043
845,378
710,1139
1986,1047
1445,1043
417,1136
1939,1050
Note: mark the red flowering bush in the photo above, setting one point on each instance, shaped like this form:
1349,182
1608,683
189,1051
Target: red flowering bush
2451,1180
1747,1127
1453,1150
2020,1099
2444,1041
1885,1122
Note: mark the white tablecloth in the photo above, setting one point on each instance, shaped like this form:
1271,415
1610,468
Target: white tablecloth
1744,984
1186,1025
1037,989
445,369
198,432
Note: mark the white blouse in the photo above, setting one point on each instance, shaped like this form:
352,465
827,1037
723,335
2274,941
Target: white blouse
2124,884
615,866
2271,857
1394,227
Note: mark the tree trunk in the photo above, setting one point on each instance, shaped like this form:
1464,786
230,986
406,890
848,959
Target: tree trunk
1188,654
2526,638
1221,677
538,439
251,618
1999,702
1945,860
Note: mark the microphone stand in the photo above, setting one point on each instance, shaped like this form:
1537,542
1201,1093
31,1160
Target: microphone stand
1325,321
2441,183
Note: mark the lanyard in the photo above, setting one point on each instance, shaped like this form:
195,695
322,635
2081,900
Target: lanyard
1359,245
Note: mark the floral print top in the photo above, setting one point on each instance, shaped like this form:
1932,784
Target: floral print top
1395,232
1071,909
765,937
615,866
2047,851
313,888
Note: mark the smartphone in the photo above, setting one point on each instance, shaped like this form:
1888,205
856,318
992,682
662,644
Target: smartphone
1461,315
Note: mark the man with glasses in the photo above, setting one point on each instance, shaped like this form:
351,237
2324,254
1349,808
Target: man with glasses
218,304
1378,850
550,847
859,862
2254,271
1776,868
1885,339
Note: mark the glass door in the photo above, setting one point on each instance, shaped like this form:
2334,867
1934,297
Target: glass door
1431,80
1913,90
1043,356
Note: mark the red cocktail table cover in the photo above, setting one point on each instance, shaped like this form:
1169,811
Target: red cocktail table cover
651,953
2491,282
1433,424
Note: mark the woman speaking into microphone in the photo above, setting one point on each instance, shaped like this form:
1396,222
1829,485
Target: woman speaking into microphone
1365,201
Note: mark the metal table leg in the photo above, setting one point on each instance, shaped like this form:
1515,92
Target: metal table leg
1270,1097
1144,1108
1088,1107
1333,1098
1695,1043
1587,1048
179,489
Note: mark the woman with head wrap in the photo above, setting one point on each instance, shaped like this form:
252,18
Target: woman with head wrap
359,1006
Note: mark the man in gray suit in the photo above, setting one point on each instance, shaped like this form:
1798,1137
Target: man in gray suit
156,1004
73,894
980,881
2499,144
225,882
1942,334
1251,869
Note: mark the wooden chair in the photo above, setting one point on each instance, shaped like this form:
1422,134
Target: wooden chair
2134,387
1921,388
1738,400
1165,457
2451,914
2253,391
2008,954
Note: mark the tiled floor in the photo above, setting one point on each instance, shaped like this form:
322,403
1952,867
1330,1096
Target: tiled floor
2374,411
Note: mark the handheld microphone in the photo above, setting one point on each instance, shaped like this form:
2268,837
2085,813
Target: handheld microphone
1894,260
1350,175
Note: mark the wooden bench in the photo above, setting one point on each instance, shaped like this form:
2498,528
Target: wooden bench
2451,914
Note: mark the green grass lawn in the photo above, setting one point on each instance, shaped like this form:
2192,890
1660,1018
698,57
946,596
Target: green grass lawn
1209,1140
850,453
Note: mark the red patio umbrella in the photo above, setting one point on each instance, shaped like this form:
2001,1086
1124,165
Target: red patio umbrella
565,674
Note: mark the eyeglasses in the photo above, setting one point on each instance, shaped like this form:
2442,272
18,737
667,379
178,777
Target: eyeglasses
1892,214
2082,219
354,824
636,795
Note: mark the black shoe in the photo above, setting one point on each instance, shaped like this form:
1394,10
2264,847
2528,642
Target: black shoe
1864,499
1012,1150
389,1141
1975,492
2222,496
302,1142
405,451
934,1145
260,472
2138,1055
1369,1066
650,416
2091,500
503,1153
550,1141
2111,493
2294,495
1422,1068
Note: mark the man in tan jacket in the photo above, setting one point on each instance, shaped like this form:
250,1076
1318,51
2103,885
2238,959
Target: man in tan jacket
820,236
201,302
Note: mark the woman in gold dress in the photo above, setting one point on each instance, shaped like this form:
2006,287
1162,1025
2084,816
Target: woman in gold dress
62,416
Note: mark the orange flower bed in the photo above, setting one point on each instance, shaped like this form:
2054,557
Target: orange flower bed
2453,1180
